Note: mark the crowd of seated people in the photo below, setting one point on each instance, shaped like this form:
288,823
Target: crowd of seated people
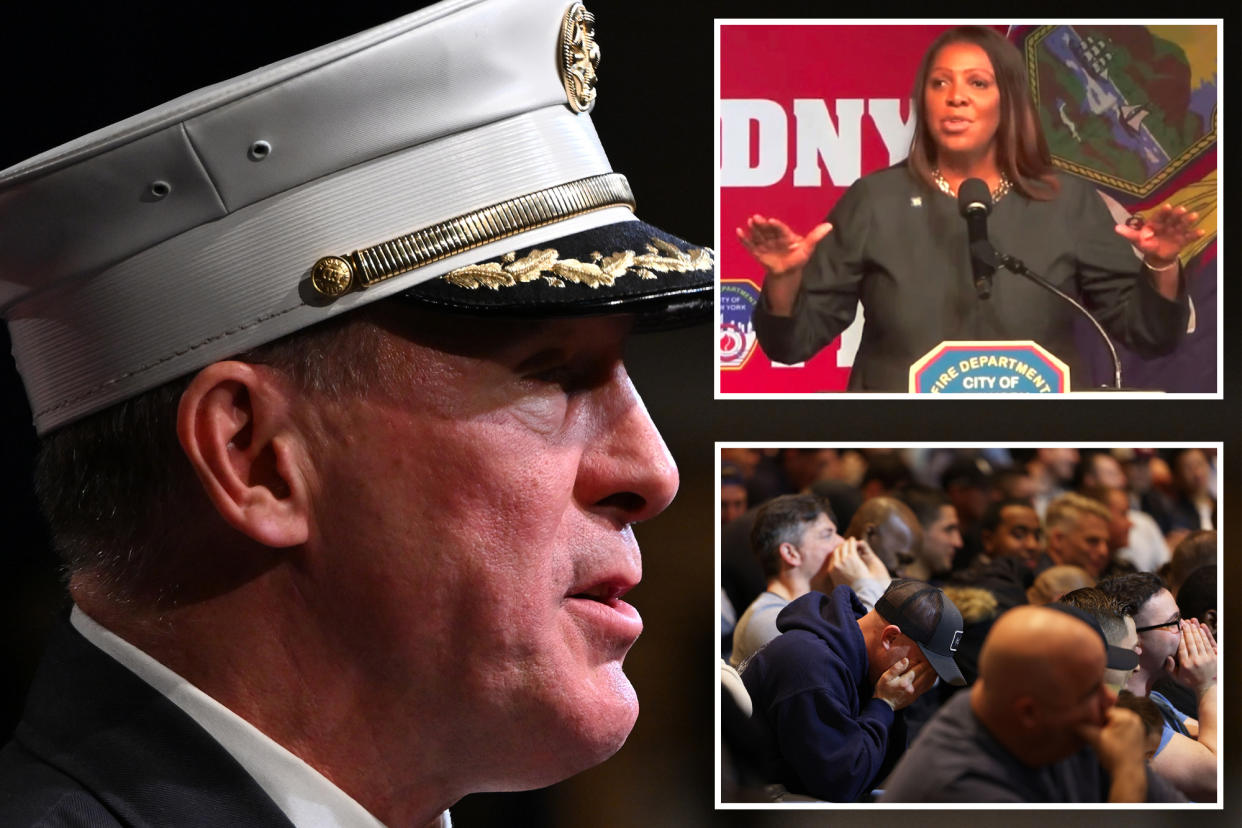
969,625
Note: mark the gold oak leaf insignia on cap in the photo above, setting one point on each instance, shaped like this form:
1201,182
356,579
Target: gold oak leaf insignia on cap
601,271
579,57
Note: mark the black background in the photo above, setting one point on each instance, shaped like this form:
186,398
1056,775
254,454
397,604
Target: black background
70,70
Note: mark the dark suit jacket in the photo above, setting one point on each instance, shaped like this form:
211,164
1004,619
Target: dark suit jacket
98,746
902,252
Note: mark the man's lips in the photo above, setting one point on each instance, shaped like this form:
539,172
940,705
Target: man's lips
601,608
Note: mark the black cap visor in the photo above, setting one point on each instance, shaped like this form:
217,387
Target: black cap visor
626,267
1121,659
945,667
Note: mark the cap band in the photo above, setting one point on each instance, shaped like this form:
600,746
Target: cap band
333,276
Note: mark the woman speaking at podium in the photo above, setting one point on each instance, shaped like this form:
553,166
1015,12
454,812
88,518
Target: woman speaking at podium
897,242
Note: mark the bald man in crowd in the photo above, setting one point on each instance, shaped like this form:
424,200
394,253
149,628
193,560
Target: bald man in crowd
1038,725
1055,581
890,529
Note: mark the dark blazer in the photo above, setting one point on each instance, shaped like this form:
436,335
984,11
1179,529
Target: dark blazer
902,251
98,746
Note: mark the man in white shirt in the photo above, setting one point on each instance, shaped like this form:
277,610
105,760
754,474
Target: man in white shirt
793,537
796,540
340,450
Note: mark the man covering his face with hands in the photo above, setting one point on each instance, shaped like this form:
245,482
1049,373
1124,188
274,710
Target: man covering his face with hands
832,687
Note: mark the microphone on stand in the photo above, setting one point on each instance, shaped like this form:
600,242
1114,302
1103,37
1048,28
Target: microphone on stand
974,202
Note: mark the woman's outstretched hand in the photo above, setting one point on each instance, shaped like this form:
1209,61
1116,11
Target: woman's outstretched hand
1163,235
780,250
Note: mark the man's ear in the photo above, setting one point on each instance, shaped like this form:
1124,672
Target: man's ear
888,635
789,554
234,426
1025,710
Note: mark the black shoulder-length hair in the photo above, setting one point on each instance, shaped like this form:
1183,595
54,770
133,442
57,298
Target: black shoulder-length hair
1021,150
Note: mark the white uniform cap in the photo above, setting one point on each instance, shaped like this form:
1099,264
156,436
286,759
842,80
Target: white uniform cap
404,156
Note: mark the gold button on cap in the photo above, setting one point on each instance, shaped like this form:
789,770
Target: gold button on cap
332,276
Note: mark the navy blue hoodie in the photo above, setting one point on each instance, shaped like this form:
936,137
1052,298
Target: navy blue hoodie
809,685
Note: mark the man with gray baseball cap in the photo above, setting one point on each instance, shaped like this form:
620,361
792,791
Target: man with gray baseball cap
339,447
830,690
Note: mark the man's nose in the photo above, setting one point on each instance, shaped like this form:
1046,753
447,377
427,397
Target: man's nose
626,470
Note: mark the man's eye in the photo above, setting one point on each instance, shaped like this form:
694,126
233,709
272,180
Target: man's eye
561,375
570,378
580,374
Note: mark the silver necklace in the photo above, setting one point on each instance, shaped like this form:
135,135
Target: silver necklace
1004,186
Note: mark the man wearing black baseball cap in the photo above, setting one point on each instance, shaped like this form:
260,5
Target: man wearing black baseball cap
831,688
1039,724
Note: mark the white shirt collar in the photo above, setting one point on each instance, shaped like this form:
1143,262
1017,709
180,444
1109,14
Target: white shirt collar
305,796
